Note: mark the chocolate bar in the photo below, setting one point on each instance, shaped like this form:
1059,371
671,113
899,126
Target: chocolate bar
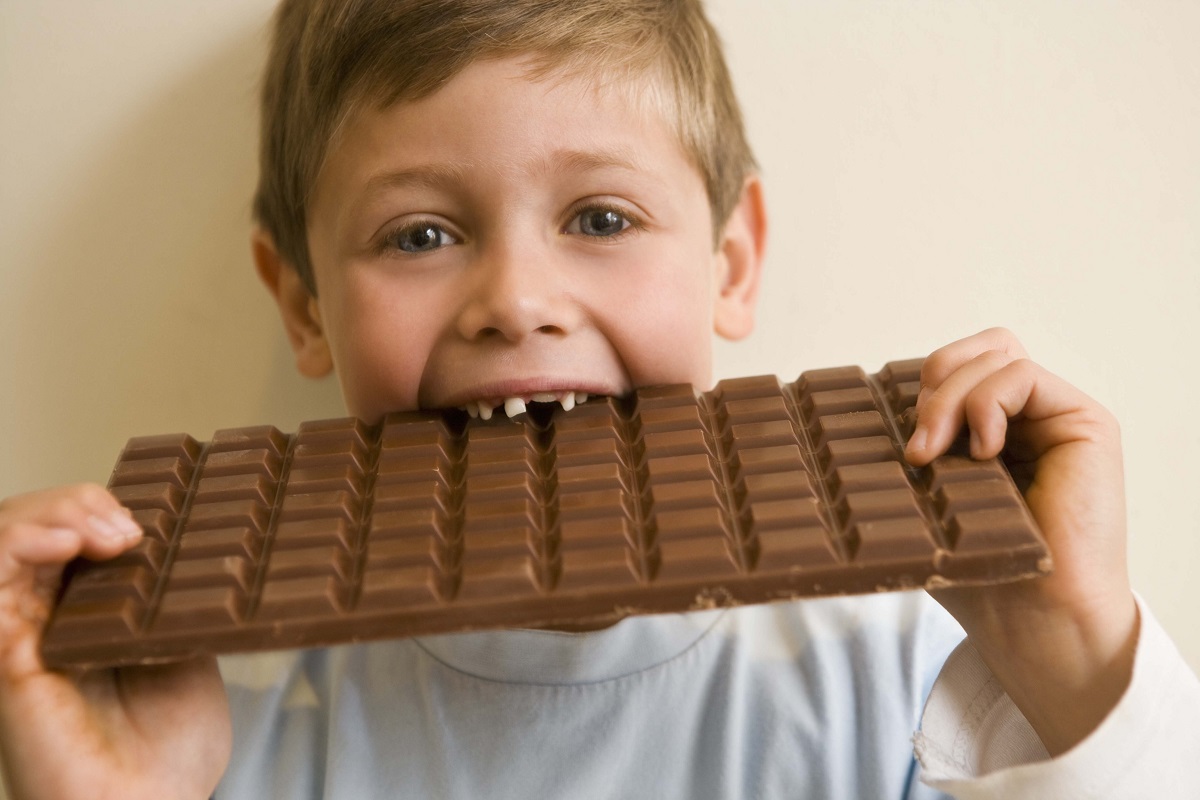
433,522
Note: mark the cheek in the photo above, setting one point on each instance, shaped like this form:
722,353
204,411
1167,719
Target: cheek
663,328
380,348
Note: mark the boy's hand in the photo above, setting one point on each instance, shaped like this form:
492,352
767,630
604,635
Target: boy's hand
152,732
1061,645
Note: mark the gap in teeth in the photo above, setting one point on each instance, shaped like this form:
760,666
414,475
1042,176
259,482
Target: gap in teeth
514,406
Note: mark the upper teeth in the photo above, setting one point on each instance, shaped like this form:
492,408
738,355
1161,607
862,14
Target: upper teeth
514,406
517,405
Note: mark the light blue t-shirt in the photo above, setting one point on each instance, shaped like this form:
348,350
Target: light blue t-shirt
810,699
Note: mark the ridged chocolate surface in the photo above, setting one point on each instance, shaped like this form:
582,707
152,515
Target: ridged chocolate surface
427,523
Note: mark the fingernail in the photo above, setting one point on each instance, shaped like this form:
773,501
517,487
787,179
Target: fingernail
110,529
123,521
104,528
917,443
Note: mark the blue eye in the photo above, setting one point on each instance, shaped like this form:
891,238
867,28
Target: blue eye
600,222
421,237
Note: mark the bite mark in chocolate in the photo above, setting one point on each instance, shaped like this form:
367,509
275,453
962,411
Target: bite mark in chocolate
437,522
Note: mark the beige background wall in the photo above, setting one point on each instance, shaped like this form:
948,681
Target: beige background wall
933,168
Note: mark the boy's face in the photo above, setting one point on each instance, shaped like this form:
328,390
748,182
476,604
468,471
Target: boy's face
506,238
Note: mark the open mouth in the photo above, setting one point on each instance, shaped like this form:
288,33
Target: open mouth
519,404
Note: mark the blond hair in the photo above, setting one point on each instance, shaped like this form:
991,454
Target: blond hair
328,56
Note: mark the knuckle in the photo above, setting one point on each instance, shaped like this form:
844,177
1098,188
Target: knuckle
91,494
1008,340
977,402
1026,373
1002,333
994,359
978,367
65,507
939,402
1114,428
1099,429
933,370
1104,421
1024,367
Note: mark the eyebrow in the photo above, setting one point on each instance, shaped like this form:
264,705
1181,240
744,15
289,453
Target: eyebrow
425,175
434,176
590,160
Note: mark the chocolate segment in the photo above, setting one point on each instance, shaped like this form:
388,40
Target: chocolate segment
433,522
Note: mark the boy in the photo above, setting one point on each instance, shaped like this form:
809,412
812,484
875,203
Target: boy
469,204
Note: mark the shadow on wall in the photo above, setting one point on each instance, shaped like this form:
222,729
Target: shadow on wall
157,321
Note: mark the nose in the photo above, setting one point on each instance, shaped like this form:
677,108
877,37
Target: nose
516,292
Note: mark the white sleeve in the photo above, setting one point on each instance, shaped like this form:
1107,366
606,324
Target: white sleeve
975,744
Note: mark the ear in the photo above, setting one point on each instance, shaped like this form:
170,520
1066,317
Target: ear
739,257
297,306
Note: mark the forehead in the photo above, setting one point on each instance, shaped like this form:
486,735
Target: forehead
506,116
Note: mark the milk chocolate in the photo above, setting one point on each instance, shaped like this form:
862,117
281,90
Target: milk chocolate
433,522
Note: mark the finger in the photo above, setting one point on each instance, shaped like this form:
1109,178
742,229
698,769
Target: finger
944,412
63,506
33,556
28,545
1053,412
945,361
105,527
